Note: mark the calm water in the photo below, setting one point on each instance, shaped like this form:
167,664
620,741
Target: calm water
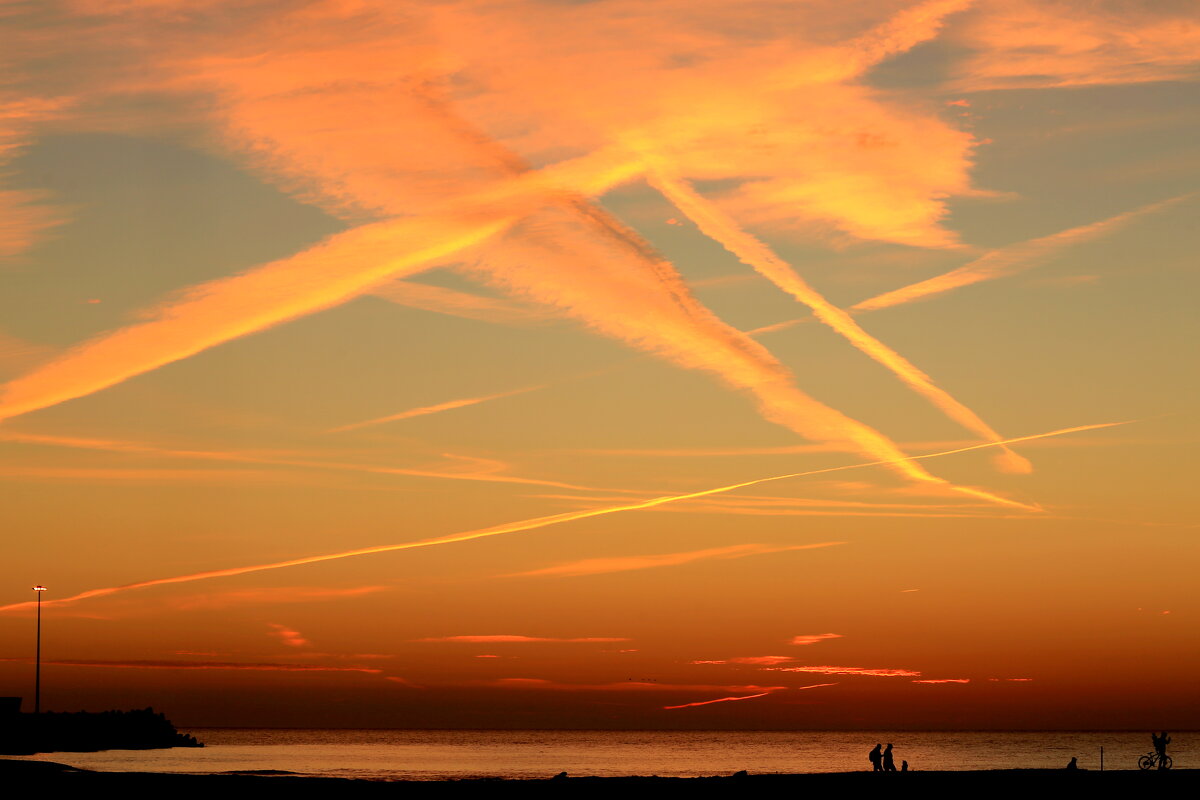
427,755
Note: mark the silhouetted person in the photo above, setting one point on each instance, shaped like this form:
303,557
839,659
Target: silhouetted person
876,758
1160,746
1074,763
889,763
904,766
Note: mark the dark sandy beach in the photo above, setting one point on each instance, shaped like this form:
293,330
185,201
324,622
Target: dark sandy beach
61,780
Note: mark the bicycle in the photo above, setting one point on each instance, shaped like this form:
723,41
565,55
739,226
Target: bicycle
1151,759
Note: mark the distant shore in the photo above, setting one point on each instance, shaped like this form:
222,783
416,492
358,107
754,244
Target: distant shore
50,775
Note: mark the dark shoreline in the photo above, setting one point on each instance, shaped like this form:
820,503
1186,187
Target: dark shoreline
43,775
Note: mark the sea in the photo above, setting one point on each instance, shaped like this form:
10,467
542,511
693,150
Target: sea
446,754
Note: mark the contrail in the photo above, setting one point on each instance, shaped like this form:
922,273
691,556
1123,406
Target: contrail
532,524
715,224
628,291
718,700
1010,260
449,405
338,269
114,446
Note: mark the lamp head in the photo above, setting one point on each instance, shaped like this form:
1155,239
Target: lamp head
39,588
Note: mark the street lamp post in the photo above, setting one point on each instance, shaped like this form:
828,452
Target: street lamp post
37,669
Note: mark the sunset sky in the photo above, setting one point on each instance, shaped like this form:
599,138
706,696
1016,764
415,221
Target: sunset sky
610,364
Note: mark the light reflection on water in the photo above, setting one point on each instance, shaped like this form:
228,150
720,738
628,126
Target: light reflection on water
538,754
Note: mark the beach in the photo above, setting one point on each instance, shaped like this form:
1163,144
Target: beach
50,776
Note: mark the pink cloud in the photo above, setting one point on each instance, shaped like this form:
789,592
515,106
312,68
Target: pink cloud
813,638
761,660
288,636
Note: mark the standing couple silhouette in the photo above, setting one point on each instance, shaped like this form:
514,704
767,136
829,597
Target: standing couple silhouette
883,761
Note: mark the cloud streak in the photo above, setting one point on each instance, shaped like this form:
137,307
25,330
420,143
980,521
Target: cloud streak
867,671
754,253
513,527
718,700
504,638
461,304
437,408
1011,260
598,566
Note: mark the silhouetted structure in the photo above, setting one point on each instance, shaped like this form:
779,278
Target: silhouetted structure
889,762
876,758
1073,763
85,731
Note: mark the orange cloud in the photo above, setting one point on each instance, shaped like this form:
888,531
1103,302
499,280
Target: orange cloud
515,639
827,670
24,216
596,566
1039,43
288,636
943,680
813,638
718,700
767,661
622,686
477,187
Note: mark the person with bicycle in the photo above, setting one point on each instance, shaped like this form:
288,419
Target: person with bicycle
1160,746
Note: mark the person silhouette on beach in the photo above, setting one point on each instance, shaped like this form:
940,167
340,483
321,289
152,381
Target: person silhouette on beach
904,766
889,762
1160,746
876,758
1074,763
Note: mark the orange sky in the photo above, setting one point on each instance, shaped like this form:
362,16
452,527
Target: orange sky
610,364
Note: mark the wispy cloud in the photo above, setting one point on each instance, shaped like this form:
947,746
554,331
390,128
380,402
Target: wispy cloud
512,527
437,408
25,217
763,661
943,680
621,686
485,469
270,596
504,638
718,700
439,299
813,638
868,671
597,566
290,637
1019,44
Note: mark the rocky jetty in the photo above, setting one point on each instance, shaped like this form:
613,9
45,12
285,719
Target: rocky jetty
88,731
